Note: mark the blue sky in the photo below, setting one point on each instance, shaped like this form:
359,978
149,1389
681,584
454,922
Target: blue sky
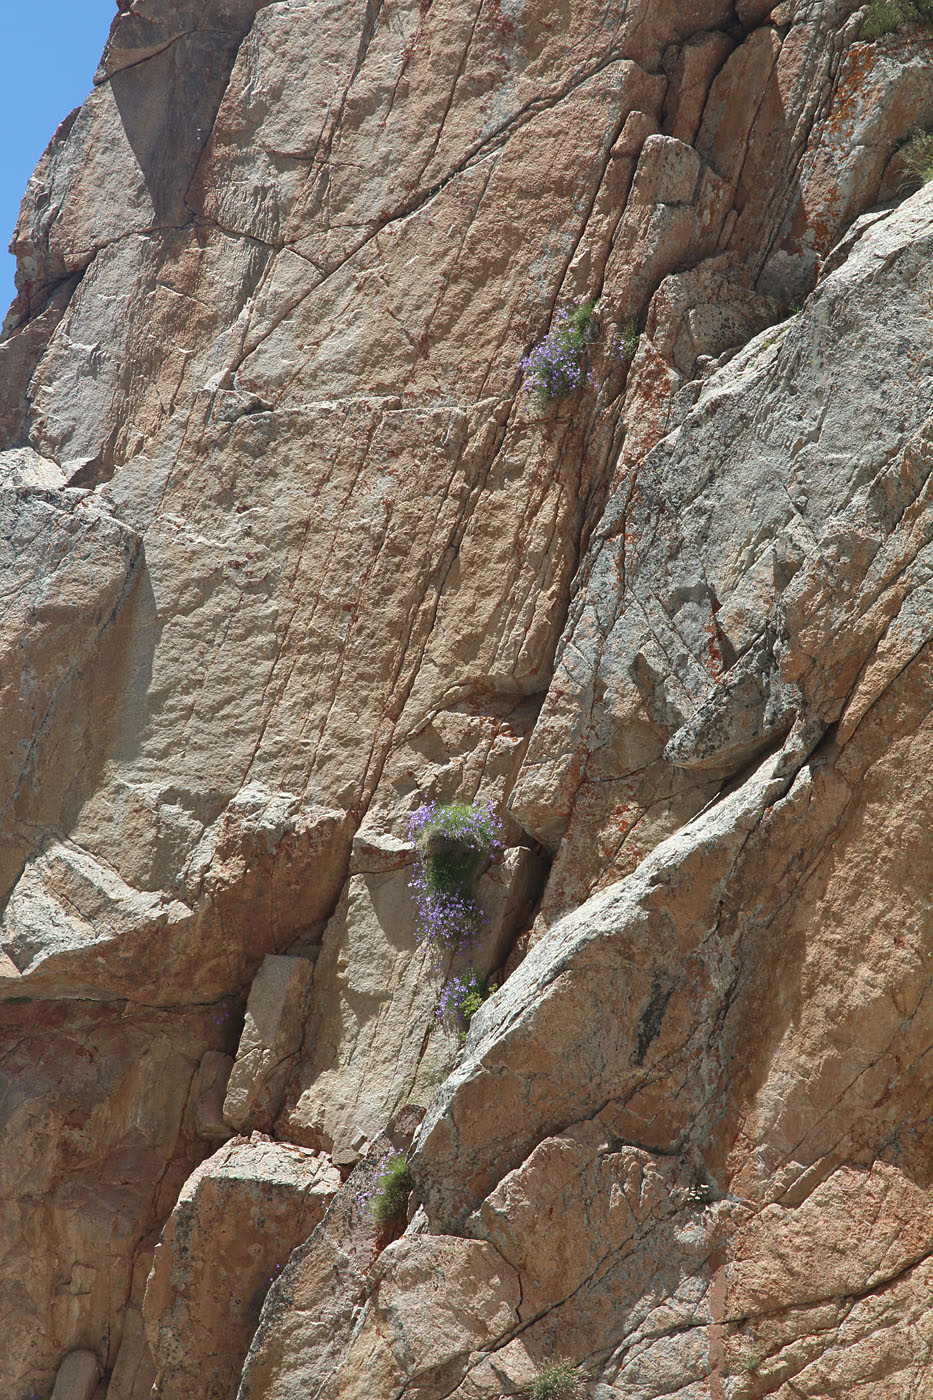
48,56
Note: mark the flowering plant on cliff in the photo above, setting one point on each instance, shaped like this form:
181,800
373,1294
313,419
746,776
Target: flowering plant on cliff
461,997
387,1193
557,365
452,842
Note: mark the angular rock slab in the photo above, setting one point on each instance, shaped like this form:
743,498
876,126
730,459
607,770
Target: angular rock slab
77,1376
134,1372
744,572
272,1034
208,1094
67,569
237,1219
96,1138
423,1311
312,1305
419,1335
268,866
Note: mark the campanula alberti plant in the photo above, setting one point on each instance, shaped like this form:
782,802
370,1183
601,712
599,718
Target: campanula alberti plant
628,343
452,843
387,1193
557,366
461,997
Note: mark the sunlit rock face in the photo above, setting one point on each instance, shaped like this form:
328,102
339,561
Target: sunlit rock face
286,549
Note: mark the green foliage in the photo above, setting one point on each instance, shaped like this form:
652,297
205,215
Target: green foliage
882,17
390,1190
461,998
630,338
471,1004
557,365
752,1362
471,831
919,155
885,16
580,318
452,871
559,1381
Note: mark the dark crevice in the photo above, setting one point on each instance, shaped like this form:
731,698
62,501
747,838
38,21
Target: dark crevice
649,1026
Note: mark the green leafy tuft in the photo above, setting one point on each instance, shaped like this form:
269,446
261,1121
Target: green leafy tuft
885,16
390,1190
919,156
562,1380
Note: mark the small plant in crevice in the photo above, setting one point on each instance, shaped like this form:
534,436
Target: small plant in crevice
628,341
918,156
885,16
882,17
461,997
452,844
557,364
387,1194
561,1380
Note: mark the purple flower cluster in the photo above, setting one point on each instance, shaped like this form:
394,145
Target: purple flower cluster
446,920
450,1002
471,824
452,842
366,1193
461,997
387,1190
557,365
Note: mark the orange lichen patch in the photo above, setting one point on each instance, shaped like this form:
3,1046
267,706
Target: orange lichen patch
652,384
860,60
874,103
819,227
713,657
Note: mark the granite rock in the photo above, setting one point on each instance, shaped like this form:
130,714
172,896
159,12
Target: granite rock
286,549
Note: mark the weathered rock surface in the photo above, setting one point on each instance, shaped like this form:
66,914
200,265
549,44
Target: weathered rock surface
66,575
375,1043
237,1219
749,588
285,550
270,1042
98,1139
77,1376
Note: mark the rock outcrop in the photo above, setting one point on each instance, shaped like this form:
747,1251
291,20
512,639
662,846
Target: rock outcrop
286,549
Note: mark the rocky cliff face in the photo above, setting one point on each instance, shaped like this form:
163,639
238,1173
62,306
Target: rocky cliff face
287,550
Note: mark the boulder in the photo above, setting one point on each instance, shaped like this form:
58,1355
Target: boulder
236,1220
77,1376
